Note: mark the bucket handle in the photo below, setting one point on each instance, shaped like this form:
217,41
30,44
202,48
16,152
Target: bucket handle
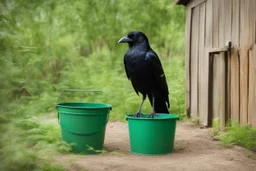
79,90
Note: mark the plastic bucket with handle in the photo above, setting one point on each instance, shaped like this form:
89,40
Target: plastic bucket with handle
83,124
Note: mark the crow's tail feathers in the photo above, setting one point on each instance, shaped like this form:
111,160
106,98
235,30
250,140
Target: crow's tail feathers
160,105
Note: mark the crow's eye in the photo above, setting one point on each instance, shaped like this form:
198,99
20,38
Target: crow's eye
130,36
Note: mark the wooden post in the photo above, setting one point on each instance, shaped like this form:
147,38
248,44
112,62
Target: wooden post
188,61
203,70
235,65
252,88
227,37
244,62
194,62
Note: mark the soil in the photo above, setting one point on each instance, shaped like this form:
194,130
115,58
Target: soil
194,150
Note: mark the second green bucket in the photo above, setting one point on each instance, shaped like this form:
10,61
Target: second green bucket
152,136
83,125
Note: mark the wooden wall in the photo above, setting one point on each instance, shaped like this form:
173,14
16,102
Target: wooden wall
221,82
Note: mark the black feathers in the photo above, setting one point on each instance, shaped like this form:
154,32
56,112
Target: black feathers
144,69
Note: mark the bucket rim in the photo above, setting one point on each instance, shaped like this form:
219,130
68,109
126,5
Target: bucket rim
160,116
68,105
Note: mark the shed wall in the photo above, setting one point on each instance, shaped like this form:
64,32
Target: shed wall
220,82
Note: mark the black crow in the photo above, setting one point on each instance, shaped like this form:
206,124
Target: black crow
144,69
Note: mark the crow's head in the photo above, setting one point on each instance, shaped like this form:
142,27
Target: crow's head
135,38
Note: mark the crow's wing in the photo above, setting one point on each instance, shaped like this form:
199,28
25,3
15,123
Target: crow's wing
126,71
157,70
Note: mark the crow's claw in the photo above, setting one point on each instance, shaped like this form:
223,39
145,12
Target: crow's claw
152,115
138,114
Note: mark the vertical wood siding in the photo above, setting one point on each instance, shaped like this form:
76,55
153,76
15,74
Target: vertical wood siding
221,84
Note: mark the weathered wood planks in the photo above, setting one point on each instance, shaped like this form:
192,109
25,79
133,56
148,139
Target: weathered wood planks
210,25
235,66
203,70
188,61
244,60
194,62
252,87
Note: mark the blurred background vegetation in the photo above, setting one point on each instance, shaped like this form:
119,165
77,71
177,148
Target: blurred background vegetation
50,45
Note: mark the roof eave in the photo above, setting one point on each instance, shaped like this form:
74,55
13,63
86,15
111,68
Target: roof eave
181,2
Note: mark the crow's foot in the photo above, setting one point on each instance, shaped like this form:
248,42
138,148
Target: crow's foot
152,115
137,114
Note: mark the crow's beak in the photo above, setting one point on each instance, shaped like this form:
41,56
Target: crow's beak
125,40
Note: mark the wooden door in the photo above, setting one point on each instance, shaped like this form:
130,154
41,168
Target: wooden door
219,96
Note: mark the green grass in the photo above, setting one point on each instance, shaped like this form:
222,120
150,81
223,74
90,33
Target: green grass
215,127
241,135
235,134
28,143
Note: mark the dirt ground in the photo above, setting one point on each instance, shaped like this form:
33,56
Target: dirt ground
195,150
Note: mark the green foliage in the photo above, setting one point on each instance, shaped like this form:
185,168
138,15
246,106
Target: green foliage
241,135
41,39
48,46
215,127
18,158
25,141
53,167
235,134
195,120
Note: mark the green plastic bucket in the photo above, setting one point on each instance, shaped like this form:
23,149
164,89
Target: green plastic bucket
83,125
152,136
